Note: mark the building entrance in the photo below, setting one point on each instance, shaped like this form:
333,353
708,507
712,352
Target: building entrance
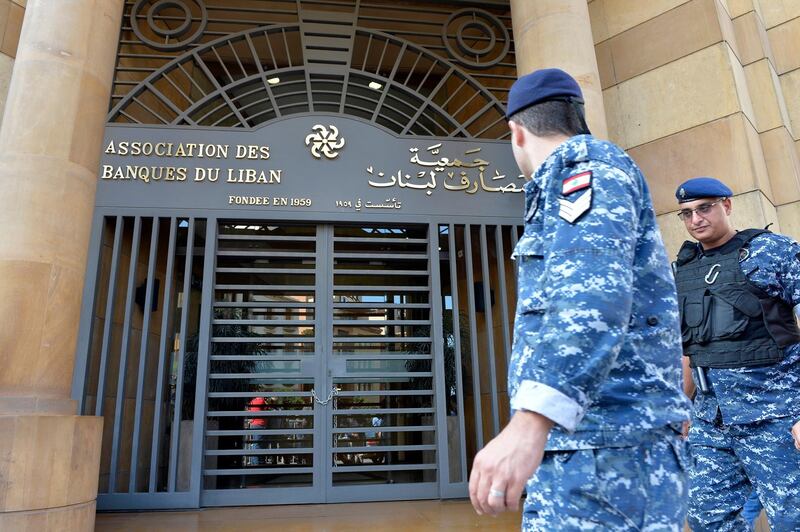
250,361
321,377
298,285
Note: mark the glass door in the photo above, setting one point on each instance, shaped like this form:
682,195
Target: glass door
263,432
382,442
321,365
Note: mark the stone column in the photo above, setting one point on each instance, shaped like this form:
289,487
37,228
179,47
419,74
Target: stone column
558,34
50,144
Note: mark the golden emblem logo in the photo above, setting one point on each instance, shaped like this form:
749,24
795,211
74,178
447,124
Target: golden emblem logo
325,141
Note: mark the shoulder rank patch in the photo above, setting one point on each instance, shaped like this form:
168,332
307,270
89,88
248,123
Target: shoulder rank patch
576,182
570,210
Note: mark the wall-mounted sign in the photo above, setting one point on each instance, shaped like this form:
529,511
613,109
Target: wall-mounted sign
319,163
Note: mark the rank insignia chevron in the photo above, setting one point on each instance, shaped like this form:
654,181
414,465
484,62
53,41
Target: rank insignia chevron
571,211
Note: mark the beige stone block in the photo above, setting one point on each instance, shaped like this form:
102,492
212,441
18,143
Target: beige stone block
764,89
759,166
653,43
789,216
63,53
86,145
105,22
790,83
751,38
683,94
754,210
736,8
6,67
13,27
728,29
783,165
23,293
785,43
33,83
764,95
60,315
614,115
55,224
48,461
673,231
5,8
41,303
742,90
612,17
605,64
775,12
722,149
76,518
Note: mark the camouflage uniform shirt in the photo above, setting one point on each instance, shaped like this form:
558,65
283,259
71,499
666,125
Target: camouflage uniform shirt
597,345
751,394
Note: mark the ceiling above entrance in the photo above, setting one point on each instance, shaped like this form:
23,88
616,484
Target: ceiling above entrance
439,69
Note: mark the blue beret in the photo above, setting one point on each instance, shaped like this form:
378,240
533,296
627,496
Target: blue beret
702,187
541,86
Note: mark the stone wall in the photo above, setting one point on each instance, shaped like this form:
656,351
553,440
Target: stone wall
706,87
11,13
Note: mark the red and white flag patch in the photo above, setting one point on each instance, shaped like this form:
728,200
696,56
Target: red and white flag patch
576,182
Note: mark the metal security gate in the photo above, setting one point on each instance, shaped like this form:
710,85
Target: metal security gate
320,383
263,429
382,413
259,362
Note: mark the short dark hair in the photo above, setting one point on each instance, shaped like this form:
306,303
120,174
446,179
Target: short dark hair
554,117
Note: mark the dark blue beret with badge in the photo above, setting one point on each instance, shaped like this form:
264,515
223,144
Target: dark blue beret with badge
702,187
540,86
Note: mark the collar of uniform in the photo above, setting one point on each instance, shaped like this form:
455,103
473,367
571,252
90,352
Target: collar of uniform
572,151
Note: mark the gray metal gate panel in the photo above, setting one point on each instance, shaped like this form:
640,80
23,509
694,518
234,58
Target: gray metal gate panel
137,385
469,355
382,357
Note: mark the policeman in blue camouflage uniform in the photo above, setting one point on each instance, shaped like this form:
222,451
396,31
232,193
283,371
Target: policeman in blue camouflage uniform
736,292
596,358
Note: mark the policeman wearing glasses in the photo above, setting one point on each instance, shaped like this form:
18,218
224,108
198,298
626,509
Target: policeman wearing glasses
736,293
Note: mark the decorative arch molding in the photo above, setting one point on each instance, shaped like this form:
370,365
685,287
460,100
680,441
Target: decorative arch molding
256,76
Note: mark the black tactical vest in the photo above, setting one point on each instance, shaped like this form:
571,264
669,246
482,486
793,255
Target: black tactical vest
726,321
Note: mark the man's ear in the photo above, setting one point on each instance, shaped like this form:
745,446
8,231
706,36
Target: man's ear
728,205
517,134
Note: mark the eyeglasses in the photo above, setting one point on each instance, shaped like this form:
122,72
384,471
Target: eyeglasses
703,210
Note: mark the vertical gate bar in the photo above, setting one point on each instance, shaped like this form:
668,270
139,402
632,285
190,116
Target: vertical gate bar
457,345
487,313
501,276
119,410
324,290
110,296
176,414
203,357
166,311
439,388
473,340
88,301
148,301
